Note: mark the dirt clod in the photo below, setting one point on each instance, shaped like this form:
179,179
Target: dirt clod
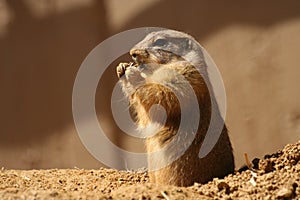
266,165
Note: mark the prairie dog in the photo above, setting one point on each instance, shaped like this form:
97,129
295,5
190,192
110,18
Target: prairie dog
161,75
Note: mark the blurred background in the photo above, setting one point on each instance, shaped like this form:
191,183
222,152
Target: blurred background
255,44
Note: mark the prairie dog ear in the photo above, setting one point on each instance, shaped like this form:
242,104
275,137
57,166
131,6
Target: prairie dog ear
185,43
188,43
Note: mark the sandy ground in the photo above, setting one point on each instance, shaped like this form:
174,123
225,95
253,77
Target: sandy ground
276,176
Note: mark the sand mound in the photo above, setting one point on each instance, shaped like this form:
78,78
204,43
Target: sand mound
276,176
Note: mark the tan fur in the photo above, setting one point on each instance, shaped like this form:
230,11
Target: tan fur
169,71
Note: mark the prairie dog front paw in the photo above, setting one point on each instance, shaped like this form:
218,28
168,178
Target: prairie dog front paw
129,73
133,75
121,68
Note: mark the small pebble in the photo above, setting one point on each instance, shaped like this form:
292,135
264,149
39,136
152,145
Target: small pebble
285,193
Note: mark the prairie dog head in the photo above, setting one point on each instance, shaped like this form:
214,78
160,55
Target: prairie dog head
165,47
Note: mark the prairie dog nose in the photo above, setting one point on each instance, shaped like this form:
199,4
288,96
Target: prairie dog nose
139,55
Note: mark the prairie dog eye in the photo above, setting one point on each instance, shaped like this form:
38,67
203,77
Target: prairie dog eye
160,42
